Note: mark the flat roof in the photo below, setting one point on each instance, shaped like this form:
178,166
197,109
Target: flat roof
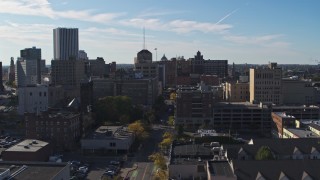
302,133
33,171
110,132
220,168
283,115
28,145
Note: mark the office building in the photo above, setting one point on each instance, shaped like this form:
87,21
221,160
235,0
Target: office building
194,105
68,73
298,92
83,55
65,43
28,72
236,92
1,83
141,91
143,64
11,71
32,54
266,84
32,99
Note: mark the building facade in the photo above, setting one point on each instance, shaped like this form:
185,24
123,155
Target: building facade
69,73
266,84
61,129
1,83
32,99
11,71
237,92
31,53
65,43
298,92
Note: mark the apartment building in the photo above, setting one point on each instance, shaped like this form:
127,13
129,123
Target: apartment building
60,128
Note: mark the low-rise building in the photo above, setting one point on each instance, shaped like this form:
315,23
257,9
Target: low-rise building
108,139
34,170
28,150
237,92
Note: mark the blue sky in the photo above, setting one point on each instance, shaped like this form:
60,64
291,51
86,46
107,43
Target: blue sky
242,31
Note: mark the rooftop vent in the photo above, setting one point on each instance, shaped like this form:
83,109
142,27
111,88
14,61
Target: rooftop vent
34,142
26,147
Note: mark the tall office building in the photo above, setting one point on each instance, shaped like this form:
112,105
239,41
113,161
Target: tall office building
1,85
65,43
31,53
11,72
265,84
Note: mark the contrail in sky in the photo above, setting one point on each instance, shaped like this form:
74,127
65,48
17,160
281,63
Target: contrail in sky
226,16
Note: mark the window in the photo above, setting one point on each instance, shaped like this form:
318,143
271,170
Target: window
30,93
40,94
44,93
112,144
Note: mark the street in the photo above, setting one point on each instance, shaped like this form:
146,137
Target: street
146,168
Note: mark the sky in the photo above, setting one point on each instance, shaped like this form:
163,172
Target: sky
241,31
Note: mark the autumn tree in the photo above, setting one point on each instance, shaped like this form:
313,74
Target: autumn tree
158,160
138,129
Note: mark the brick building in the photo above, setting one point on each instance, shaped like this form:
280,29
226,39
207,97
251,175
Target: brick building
61,129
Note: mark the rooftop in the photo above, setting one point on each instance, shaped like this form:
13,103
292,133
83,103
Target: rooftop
283,115
110,132
303,133
292,169
28,145
33,171
220,168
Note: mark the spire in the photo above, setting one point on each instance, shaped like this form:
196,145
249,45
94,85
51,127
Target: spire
144,38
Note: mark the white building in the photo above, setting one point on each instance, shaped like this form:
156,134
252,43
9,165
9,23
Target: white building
33,98
27,72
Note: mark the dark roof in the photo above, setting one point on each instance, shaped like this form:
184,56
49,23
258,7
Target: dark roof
220,168
277,146
34,170
191,150
144,51
293,169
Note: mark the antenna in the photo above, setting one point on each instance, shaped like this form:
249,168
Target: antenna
144,38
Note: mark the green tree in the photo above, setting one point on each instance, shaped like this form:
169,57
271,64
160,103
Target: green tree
114,109
264,153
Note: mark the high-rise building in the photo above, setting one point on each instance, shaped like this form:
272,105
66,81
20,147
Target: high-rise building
31,53
69,73
1,85
265,84
11,71
28,72
143,64
65,43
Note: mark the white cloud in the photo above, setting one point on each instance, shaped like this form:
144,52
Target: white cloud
43,8
178,26
272,40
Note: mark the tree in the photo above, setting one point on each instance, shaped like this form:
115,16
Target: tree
138,130
158,160
114,109
161,174
264,153
171,121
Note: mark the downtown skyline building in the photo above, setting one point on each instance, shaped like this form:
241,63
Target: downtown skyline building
65,43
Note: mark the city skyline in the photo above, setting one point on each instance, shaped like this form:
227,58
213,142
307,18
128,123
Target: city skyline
253,32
